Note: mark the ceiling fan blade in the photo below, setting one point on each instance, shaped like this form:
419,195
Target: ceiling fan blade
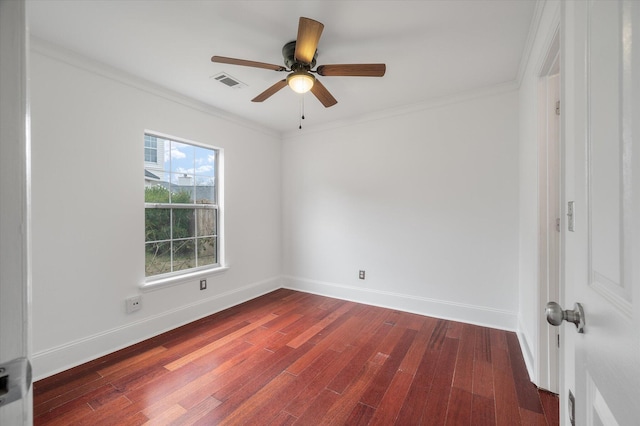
309,32
323,94
233,61
270,91
352,70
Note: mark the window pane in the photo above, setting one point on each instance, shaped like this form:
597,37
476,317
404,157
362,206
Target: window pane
181,194
157,224
151,155
150,141
156,194
183,223
157,258
205,191
207,251
206,222
184,254
182,158
204,162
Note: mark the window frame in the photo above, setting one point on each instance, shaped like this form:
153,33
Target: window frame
154,148
166,279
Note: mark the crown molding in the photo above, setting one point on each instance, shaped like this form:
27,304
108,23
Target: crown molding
439,102
534,26
56,52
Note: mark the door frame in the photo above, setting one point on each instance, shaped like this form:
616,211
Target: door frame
549,209
15,248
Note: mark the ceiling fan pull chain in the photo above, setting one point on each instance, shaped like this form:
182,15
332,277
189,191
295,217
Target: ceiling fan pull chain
301,111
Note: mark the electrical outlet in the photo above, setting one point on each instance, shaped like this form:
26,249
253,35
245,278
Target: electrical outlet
133,304
203,284
361,275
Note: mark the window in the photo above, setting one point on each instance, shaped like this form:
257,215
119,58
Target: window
150,149
181,208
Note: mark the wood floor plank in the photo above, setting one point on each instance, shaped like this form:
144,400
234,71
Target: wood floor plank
261,402
167,416
507,408
483,411
529,418
550,406
454,329
415,353
49,387
268,401
197,411
335,340
65,414
482,379
297,358
63,395
235,394
483,344
413,407
366,352
282,419
217,343
115,412
438,335
460,408
135,359
158,388
340,411
393,399
231,371
435,410
360,416
309,332
278,362
298,405
527,392
463,377
318,408
380,384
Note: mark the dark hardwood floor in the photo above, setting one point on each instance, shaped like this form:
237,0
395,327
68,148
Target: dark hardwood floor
296,358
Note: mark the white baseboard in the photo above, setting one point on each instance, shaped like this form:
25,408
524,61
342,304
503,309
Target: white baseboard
479,315
54,360
527,354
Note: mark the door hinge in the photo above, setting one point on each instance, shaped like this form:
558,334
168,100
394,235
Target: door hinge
557,107
558,224
15,380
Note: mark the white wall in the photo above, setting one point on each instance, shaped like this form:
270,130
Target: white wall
530,308
425,201
88,221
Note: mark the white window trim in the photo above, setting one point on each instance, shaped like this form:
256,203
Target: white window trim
159,281
163,282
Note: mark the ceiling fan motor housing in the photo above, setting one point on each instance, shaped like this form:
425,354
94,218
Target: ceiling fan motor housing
288,52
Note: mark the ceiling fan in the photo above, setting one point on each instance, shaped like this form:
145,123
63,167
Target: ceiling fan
300,58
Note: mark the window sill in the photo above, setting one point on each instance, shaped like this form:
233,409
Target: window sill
156,284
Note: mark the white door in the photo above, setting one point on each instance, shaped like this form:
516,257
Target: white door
601,135
14,216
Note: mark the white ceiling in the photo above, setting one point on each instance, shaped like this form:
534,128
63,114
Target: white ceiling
432,48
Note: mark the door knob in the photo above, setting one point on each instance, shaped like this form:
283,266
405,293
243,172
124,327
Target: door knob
555,315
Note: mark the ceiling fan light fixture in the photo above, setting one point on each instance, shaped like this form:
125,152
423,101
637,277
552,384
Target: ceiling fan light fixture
300,81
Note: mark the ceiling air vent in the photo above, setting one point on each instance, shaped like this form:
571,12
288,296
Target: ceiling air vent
229,81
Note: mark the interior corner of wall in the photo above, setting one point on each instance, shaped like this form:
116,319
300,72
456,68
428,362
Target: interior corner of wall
527,351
